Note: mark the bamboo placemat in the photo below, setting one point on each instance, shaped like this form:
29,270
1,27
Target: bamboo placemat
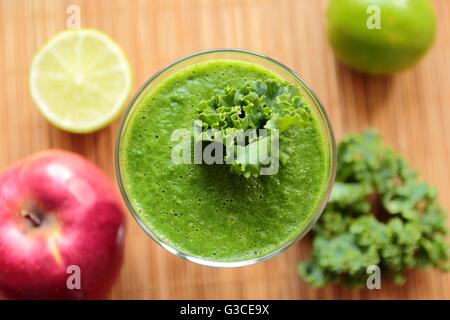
411,110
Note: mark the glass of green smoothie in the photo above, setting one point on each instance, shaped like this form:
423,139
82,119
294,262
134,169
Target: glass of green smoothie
230,213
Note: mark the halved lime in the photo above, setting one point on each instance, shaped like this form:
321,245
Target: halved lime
80,80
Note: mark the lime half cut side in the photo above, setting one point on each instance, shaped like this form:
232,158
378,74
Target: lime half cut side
80,80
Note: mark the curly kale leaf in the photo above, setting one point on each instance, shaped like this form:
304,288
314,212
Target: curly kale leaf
270,104
379,213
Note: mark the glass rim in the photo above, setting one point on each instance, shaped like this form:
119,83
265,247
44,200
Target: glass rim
241,263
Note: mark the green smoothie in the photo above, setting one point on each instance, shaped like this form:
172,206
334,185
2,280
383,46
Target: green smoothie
207,211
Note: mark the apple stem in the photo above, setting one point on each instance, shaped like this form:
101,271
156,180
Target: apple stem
33,217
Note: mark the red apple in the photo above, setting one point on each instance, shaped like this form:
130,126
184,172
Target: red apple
61,229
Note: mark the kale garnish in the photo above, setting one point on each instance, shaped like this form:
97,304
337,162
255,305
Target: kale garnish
261,104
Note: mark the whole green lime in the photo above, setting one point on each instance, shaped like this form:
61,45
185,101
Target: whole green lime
380,36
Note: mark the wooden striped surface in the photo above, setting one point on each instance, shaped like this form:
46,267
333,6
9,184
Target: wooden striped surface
411,110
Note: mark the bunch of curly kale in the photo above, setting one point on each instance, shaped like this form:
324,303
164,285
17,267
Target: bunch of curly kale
380,214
